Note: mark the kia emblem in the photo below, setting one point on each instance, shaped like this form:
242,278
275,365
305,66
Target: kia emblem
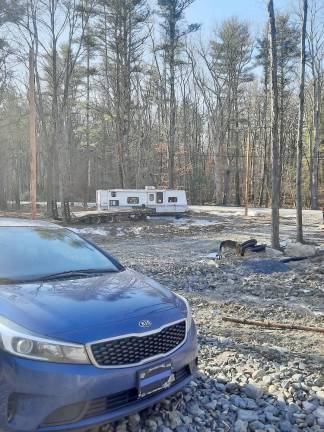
145,323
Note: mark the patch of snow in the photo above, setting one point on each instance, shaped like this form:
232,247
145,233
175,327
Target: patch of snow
203,222
185,223
91,231
136,230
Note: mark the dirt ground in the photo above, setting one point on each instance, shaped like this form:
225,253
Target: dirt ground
174,251
251,378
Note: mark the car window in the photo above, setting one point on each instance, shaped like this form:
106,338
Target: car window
32,252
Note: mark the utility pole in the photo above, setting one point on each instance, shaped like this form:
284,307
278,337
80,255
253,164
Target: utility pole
32,132
247,173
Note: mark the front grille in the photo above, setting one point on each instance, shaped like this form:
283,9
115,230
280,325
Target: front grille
135,349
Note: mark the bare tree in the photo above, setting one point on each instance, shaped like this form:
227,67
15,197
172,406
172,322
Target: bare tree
299,204
172,12
275,193
315,39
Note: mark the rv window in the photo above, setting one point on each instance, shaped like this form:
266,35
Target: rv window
151,197
114,203
173,199
113,194
132,200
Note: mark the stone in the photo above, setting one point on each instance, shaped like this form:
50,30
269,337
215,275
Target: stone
259,374
267,380
319,414
175,419
256,426
240,426
194,410
320,394
247,415
308,406
151,425
182,429
253,391
211,405
231,387
285,426
295,249
239,402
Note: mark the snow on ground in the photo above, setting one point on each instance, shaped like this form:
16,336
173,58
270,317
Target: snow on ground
186,222
89,231
309,215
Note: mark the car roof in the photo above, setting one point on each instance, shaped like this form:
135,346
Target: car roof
16,222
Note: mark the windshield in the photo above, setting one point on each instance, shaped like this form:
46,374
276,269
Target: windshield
30,253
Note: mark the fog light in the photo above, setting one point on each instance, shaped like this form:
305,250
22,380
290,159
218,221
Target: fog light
24,346
65,415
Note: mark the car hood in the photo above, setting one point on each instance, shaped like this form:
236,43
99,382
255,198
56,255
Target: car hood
69,306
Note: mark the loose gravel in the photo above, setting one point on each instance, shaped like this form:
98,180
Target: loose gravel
250,378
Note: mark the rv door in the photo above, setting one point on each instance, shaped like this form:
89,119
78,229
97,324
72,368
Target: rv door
102,199
159,197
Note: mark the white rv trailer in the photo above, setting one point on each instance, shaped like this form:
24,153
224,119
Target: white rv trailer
161,200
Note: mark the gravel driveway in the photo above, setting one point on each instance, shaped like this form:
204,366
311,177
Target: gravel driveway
250,378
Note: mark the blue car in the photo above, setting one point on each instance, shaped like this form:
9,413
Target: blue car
83,341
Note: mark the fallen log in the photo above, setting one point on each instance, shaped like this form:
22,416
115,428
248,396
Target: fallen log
273,325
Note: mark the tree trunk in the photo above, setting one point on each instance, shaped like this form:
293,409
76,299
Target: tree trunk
86,198
275,242
237,154
299,204
315,153
172,103
51,152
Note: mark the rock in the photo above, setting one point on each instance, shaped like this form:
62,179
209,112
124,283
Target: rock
247,415
133,422
267,380
300,250
256,426
231,387
285,426
122,427
239,402
174,418
240,426
252,391
272,253
194,409
319,414
308,406
211,405
319,381
182,429
151,425
250,403
320,394
259,374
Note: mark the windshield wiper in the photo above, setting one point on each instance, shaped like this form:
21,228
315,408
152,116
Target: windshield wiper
75,273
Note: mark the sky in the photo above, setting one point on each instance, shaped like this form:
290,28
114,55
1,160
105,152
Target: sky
209,12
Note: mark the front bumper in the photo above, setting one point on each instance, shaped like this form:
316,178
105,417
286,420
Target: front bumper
34,390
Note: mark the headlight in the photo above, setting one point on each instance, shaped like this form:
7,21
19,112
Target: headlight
189,315
19,341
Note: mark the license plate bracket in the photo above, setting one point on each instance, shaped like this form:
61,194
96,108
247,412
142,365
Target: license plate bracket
154,379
